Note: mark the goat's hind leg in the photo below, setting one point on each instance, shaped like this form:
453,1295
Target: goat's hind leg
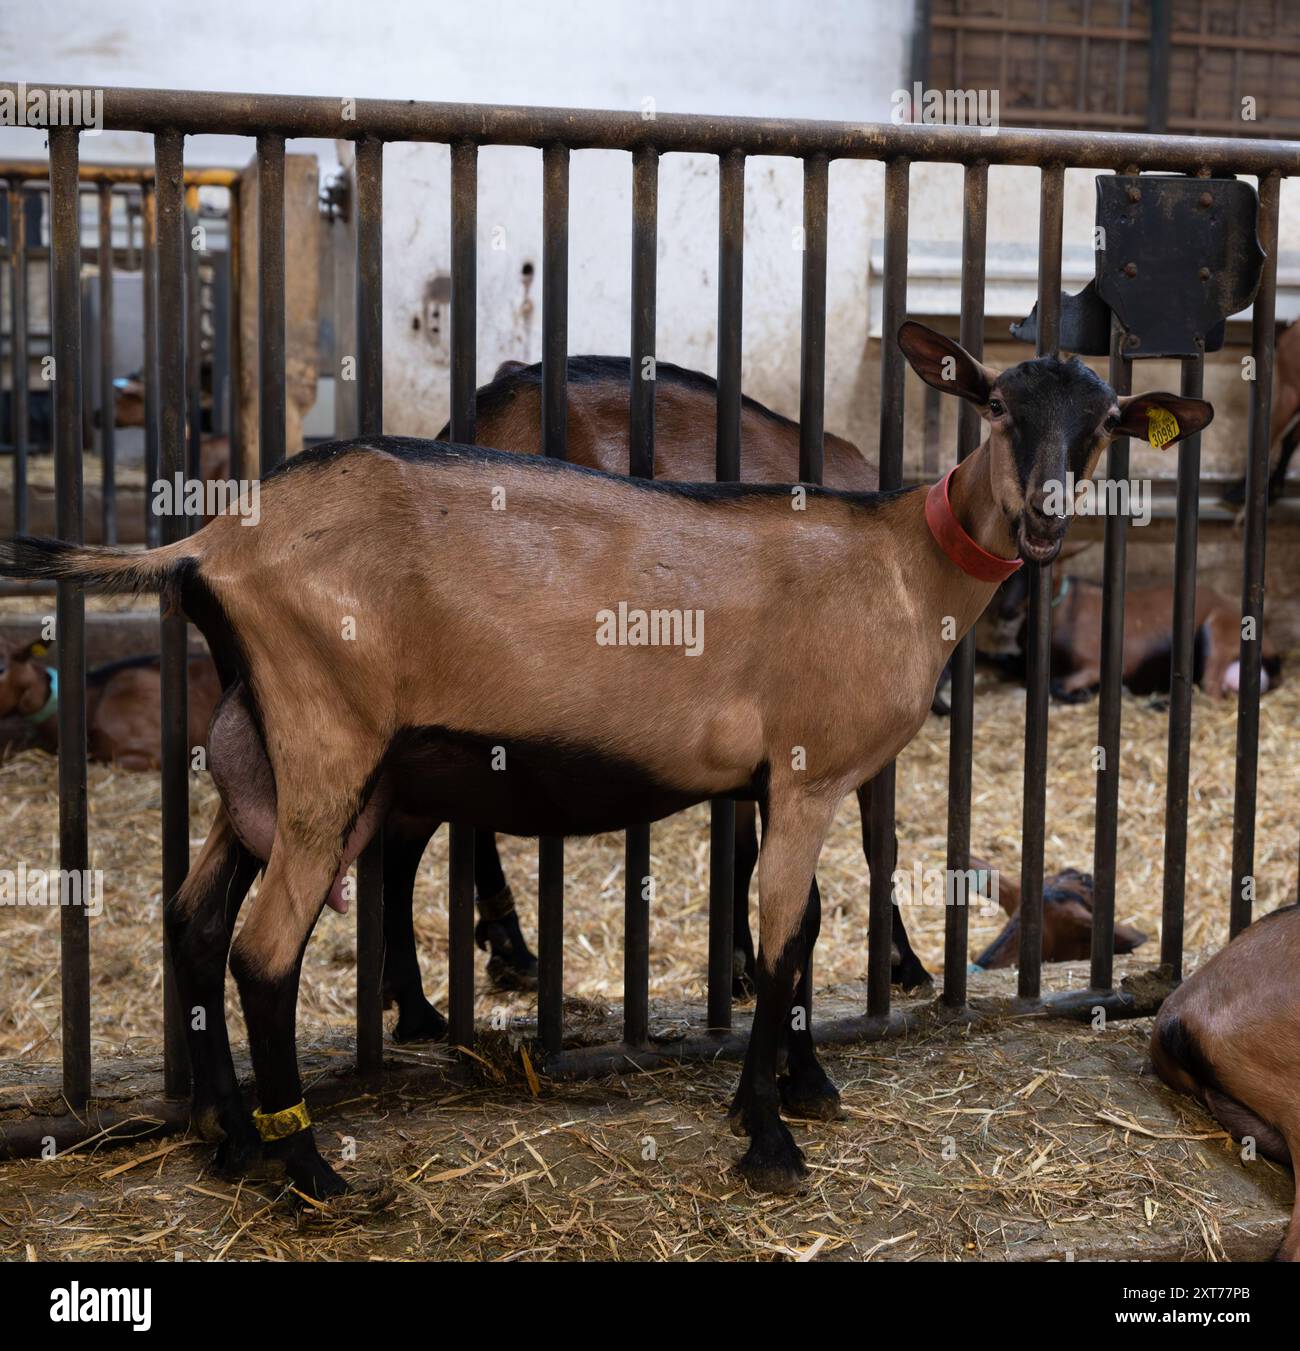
792,839
511,964
267,962
417,1019
200,919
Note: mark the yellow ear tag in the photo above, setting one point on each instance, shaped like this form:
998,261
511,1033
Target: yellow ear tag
1162,427
39,649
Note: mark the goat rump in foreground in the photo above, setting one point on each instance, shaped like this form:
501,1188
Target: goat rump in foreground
1229,1036
123,704
445,657
509,413
1067,921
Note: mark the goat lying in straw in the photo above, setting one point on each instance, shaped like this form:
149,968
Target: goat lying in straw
387,640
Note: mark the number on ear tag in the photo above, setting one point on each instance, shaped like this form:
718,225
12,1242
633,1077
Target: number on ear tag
1162,427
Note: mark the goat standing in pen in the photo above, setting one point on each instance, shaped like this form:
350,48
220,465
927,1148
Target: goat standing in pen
474,637
509,412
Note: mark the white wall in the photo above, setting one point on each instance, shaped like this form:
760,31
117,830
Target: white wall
841,59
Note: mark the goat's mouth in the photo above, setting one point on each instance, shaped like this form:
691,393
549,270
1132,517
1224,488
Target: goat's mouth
1035,547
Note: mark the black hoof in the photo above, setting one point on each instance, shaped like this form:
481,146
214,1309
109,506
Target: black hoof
305,1168
773,1165
420,1022
810,1097
509,976
511,965
910,975
1064,696
743,982
239,1154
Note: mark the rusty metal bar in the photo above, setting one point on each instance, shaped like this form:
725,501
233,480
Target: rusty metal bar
149,271
641,464
1182,683
962,698
193,342
170,208
216,113
370,422
464,300
65,325
555,415
36,170
270,298
812,348
1038,674
1252,582
881,861
234,242
1110,711
18,349
107,394
722,811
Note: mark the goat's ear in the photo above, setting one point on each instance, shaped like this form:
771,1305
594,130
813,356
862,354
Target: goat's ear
33,651
1162,419
946,365
1127,938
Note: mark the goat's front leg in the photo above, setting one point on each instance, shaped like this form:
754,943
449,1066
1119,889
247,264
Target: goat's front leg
806,1089
795,825
200,920
267,960
417,1019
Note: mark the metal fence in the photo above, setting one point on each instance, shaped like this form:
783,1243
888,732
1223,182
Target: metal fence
169,117
131,189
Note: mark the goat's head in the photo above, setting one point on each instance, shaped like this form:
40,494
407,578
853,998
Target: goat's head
24,686
1047,418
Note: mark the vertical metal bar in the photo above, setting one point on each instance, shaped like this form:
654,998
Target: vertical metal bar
962,721
641,464
812,366
1110,711
149,268
1050,208
722,811
894,311
107,394
1158,65
234,243
1252,583
370,422
1181,682
193,342
170,206
270,298
555,415
65,326
18,347
464,379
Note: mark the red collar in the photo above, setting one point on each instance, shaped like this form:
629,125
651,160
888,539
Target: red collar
957,544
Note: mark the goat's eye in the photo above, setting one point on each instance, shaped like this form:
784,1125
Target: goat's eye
996,408
1112,421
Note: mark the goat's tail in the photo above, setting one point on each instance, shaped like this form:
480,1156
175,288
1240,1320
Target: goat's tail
40,558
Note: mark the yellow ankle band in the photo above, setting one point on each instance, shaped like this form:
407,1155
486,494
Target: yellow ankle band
278,1125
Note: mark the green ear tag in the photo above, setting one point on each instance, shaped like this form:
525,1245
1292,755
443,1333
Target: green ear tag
1162,427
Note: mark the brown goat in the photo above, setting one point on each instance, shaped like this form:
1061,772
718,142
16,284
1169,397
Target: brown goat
1148,637
1067,921
123,705
509,413
1284,417
448,622
1229,1036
